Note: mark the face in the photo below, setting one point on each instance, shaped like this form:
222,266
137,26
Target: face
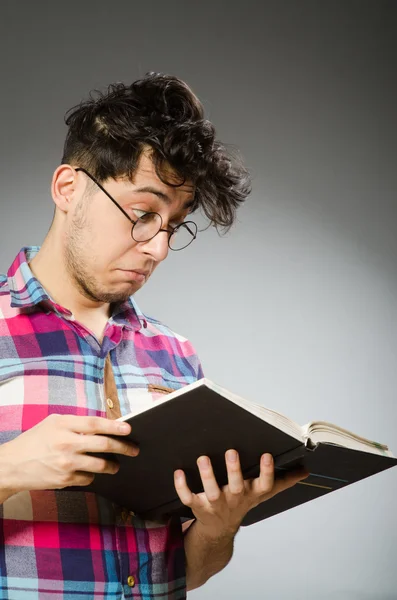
105,263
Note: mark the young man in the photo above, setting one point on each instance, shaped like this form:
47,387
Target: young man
76,352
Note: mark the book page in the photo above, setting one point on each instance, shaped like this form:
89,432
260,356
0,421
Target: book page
323,432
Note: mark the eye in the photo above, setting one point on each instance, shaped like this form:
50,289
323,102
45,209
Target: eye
145,217
138,213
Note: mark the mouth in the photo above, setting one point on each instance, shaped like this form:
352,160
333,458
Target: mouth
137,275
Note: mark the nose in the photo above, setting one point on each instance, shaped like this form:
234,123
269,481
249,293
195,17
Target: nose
157,247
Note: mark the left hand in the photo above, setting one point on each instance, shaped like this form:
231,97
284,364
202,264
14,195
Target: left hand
219,512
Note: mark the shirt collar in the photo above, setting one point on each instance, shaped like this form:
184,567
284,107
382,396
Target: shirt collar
27,292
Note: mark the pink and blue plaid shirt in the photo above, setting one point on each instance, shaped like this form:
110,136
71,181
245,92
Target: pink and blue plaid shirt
75,545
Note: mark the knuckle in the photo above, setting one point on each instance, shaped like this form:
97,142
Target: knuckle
121,448
103,465
207,475
92,423
63,446
87,479
65,463
126,449
266,488
106,444
82,480
185,500
237,490
213,496
55,418
66,479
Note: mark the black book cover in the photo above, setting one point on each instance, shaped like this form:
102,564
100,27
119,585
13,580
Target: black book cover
173,434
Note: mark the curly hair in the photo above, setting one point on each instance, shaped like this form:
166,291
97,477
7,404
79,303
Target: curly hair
108,132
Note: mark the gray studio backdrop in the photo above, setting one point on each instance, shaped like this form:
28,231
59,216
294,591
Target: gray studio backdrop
296,308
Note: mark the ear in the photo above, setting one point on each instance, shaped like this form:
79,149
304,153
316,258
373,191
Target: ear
66,187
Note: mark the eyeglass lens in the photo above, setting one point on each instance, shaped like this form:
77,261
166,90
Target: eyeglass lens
147,226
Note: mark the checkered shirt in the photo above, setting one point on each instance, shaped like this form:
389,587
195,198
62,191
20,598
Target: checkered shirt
68,545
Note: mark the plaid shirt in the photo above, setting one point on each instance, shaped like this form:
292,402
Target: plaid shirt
75,545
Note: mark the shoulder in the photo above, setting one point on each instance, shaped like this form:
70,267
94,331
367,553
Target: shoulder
4,290
154,327
3,283
163,338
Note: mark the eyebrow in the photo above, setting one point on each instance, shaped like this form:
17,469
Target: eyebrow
151,190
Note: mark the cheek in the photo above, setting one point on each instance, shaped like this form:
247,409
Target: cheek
109,241
110,253
109,236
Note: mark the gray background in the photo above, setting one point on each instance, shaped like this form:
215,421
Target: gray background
296,307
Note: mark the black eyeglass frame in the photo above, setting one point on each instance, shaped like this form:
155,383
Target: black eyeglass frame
173,229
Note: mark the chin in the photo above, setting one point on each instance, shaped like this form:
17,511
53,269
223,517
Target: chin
125,291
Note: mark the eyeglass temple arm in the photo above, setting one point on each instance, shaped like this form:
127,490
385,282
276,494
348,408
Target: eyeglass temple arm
107,194
194,235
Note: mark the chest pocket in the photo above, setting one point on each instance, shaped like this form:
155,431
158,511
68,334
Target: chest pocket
145,397
138,398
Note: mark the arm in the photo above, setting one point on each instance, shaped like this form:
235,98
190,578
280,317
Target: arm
205,557
219,512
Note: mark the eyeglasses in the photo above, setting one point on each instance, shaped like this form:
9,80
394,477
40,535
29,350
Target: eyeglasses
147,226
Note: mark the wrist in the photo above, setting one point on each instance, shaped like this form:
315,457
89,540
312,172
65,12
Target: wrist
215,535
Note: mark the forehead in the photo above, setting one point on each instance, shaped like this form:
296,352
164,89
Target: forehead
146,175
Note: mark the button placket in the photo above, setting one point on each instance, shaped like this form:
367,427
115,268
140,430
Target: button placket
112,403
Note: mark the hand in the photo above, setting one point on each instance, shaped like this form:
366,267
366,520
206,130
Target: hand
53,453
219,512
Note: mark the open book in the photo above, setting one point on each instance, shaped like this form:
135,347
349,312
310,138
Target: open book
204,418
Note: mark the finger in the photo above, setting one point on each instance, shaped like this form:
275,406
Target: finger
288,480
234,474
92,425
186,496
103,443
264,483
93,464
80,478
210,485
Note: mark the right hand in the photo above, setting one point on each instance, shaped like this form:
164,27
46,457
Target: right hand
53,453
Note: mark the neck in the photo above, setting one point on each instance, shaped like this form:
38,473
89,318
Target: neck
49,268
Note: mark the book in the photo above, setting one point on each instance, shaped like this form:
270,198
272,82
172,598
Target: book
205,419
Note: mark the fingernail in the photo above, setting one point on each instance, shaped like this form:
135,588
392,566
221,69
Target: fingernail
124,428
231,455
267,459
204,461
178,474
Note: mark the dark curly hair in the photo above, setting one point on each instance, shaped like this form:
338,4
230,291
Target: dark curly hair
107,134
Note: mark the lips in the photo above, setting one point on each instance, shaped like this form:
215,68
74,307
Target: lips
139,271
138,275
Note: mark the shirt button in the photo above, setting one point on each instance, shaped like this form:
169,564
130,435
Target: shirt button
125,515
131,581
109,402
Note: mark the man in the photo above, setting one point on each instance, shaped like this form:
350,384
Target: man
76,353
